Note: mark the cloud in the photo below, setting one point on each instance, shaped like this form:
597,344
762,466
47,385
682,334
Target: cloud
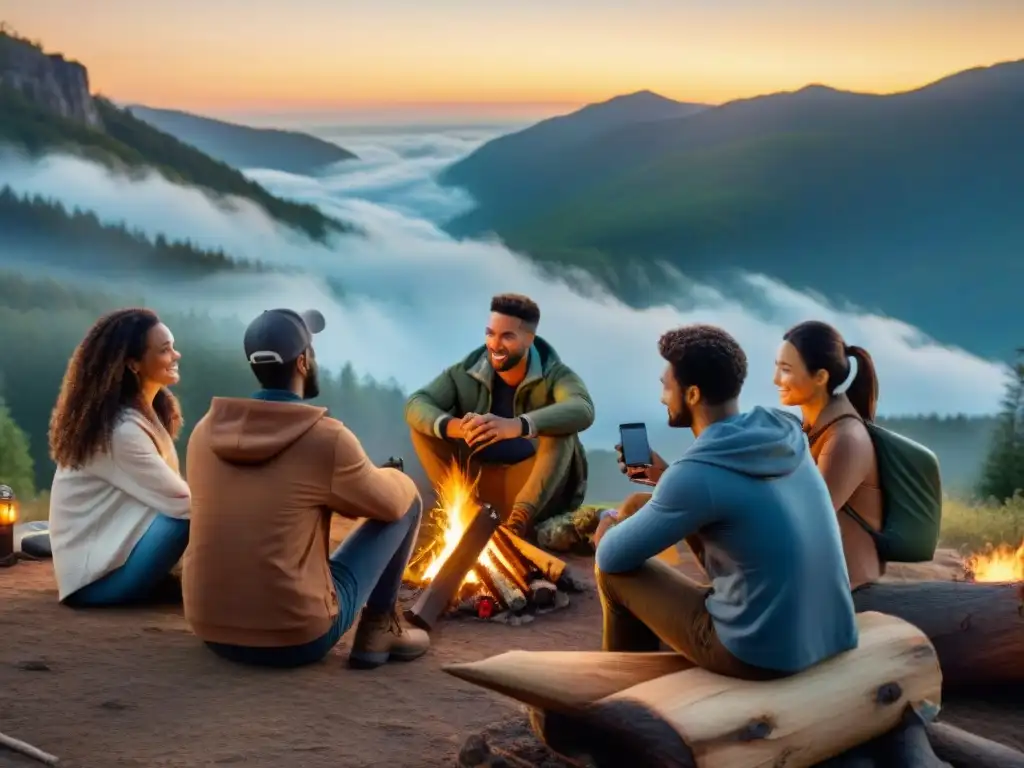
407,300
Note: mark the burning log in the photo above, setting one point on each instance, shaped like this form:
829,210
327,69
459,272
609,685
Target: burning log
529,577
510,561
510,597
445,585
550,566
542,592
977,629
702,720
466,566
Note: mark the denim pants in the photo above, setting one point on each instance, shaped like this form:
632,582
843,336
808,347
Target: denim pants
149,564
367,569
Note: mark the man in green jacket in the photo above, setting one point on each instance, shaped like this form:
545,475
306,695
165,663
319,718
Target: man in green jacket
512,411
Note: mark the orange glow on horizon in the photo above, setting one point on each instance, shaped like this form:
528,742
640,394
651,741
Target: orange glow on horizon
321,56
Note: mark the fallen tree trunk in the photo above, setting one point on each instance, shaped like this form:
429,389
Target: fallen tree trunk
697,719
977,629
967,750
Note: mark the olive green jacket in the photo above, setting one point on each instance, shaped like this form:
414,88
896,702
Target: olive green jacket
552,397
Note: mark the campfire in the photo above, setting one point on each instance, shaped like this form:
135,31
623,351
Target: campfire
998,564
473,566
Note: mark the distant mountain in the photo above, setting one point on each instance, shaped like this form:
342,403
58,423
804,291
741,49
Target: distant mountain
911,204
45,105
516,157
244,147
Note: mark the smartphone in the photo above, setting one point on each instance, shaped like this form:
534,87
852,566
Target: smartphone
636,451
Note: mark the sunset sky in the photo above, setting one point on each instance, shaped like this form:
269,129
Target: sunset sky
507,56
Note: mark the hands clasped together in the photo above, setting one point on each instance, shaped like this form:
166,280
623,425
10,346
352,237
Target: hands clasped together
480,430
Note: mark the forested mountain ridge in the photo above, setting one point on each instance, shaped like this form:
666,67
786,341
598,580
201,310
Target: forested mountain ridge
242,146
45,105
879,201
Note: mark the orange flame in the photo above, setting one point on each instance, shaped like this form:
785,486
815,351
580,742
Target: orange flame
456,504
999,564
8,512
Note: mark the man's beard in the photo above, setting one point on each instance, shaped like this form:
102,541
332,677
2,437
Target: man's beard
311,386
682,419
510,362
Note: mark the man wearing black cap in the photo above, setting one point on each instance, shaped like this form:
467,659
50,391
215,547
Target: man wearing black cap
266,473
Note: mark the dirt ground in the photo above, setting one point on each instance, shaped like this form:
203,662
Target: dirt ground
135,688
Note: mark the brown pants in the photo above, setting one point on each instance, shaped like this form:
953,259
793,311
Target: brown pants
654,604
537,483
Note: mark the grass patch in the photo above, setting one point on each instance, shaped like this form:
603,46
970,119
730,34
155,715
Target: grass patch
976,526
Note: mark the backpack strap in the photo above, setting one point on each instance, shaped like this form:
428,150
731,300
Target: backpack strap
874,534
860,521
827,427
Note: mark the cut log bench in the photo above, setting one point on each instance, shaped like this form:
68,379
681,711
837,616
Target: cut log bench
656,710
977,629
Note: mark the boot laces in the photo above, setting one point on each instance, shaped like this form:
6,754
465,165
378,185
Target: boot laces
394,623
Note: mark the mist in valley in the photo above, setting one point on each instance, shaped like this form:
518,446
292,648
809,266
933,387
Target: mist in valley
407,300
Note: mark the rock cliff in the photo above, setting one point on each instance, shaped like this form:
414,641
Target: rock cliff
51,81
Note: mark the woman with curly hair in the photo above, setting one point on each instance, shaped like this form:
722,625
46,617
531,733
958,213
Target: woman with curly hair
119,508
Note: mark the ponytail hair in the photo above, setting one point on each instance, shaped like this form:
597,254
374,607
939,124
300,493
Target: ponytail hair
863,390
822,348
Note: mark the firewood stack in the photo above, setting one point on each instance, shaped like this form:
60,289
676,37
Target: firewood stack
493,574
517,578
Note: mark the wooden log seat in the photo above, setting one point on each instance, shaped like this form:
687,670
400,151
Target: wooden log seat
655,710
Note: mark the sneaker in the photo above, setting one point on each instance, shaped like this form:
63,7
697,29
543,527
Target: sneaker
381,637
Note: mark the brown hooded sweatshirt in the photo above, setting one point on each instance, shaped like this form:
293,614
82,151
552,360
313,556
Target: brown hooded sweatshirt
265,477
845,455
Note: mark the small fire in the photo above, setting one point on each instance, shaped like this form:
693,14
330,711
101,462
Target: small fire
456,503
999,564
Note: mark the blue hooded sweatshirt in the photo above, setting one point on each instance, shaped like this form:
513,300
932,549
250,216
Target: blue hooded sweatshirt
750,490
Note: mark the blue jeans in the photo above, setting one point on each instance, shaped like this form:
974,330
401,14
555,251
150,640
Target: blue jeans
149,564
367,570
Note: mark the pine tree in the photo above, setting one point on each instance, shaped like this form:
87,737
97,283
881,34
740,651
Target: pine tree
1003,473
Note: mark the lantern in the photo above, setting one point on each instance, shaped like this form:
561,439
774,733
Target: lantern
8,517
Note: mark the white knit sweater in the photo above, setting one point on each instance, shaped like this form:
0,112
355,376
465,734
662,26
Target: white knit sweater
99,512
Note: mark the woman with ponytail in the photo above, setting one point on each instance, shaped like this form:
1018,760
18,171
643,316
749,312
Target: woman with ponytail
836,389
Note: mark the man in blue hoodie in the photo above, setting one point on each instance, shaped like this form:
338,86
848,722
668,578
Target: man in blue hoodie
750,501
